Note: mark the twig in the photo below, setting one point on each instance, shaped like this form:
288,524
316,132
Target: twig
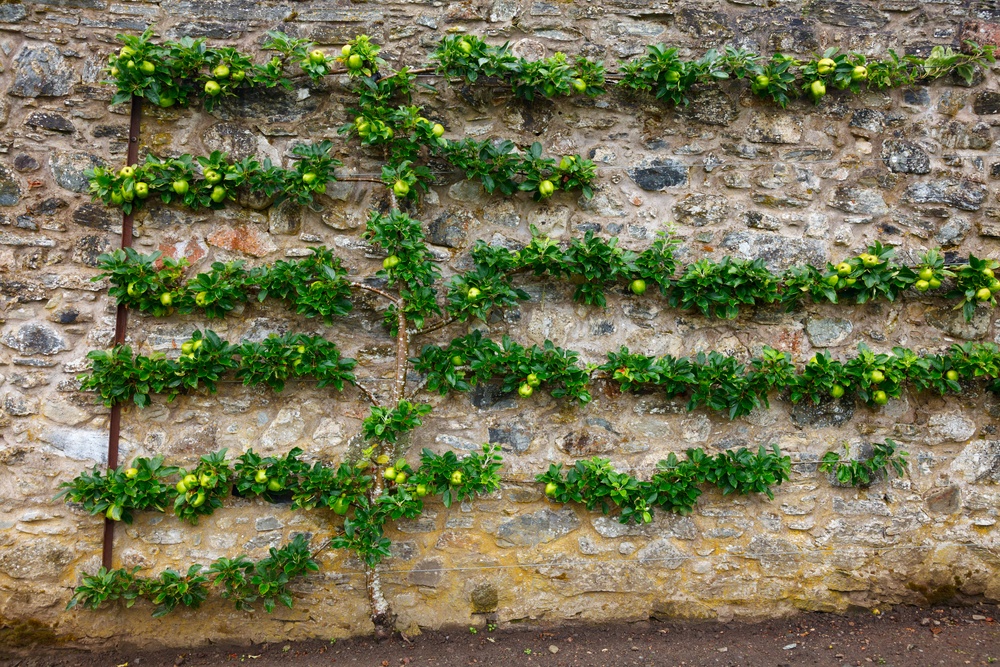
367,392
402,354
414,391
360,179
434,327
375,290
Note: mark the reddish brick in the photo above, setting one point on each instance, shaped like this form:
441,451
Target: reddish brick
193,249
980,32
243,238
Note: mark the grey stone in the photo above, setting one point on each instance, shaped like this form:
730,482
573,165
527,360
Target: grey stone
95,216
699,210
854,199
10,187
953,322
847,13
663,553
952,233
265,523
50,121
658,175
962,194
772,551
450,229
758,220
68,169
87,249
954,134
987,103
271,105
285,218
78,444
516,435
41,72
537,528
905,157
774,128
12,13
24,162
868,121
979,462
503,11
17,404
949,427
37,558
777,251
35,338
828,331
827,413
237,140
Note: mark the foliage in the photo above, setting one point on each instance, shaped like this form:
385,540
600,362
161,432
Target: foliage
243,580
123,490
673,488
862,472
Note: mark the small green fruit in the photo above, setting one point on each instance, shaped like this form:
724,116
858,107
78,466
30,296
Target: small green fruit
421,490
401,188
190,480
762,80
926,273
859,73
525,390
952,375
532,380
274,485
212,88
836,391
638,286
546,188
984,294
818,89
309,177
843,269
180,187
390,262
390,473
317,56
456,477
354,61
218,194
473,294
141,190
437,130
551,489
880,398
147,67
131,473
934,283
833,280
166,299
345,50
877,376
922,285
579,85
464,46
221,72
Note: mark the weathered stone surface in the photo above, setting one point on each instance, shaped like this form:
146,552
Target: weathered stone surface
537,528
949,427
10,187
905,157
699,210
662,553
963,194
953,322
41,72
243,238
450,229
34,338
828,332
847,13
659,174
826,413
50,121
774,128
95,216
987,103
35,559
944,501
853,199
978,462
777,251
68,169
285,218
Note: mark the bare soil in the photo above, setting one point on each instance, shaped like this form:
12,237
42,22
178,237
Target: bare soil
905,636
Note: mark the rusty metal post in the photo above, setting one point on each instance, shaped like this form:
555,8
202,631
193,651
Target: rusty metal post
121,322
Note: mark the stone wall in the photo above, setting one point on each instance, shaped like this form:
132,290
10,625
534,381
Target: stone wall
913,168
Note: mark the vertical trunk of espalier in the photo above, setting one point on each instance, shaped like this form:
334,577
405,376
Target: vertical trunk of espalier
382,615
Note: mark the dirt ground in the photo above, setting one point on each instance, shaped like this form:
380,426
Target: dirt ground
904,636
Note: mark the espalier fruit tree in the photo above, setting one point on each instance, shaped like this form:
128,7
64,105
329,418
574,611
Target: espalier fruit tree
363,494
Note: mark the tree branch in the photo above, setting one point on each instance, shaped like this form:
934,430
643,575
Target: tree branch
375,290
441,324
367,392
402,354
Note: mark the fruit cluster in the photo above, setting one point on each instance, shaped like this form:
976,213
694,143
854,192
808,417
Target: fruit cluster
209,181
176,72
118,376
244,582
674,487
147,485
